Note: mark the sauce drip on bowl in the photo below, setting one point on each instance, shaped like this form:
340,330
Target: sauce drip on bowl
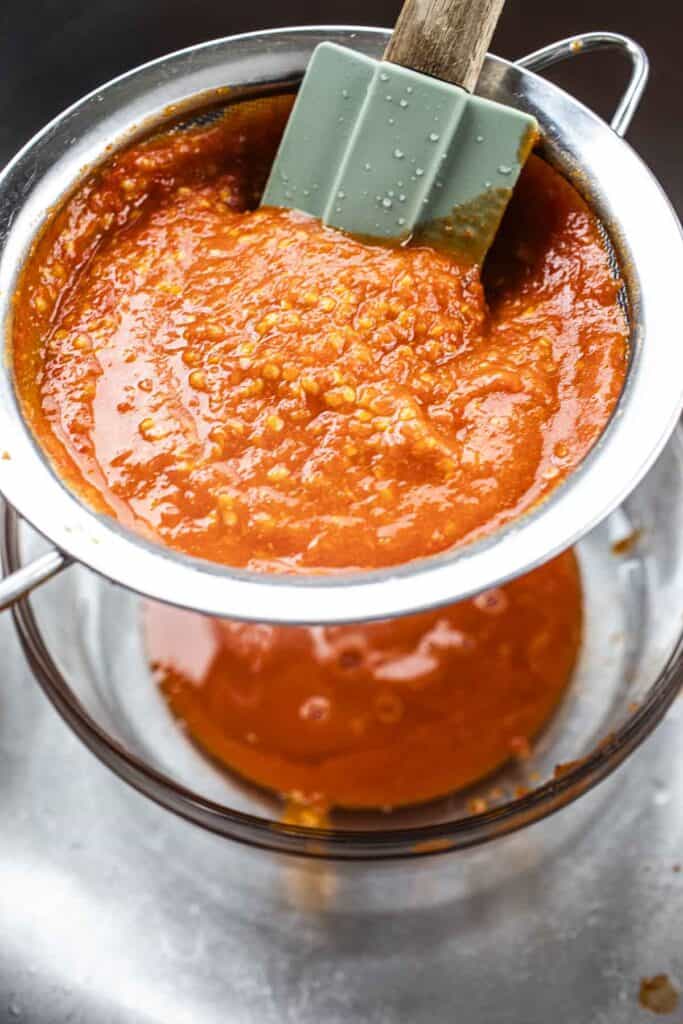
250,387
379,714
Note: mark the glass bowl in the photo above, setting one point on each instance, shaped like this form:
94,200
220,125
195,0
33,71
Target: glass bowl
83,639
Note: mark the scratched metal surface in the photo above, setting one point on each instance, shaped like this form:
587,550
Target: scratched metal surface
112,911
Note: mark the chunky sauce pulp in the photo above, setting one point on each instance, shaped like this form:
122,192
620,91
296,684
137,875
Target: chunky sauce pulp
253,388
379,714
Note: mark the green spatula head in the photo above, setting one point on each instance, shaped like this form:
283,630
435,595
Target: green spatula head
382,151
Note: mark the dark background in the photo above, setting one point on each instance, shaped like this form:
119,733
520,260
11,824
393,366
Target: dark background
53,51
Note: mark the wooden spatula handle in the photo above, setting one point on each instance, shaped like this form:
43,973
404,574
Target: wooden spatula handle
446,39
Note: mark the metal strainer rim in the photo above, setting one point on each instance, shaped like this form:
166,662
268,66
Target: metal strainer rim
647,412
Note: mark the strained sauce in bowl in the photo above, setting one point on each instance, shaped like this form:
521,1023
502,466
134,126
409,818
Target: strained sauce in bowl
374,715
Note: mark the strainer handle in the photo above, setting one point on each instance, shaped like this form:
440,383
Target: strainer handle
588,42
21,582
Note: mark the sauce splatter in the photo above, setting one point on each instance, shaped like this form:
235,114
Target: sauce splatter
625,545
658,994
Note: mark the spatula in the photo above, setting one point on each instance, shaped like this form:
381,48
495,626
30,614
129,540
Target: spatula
399,147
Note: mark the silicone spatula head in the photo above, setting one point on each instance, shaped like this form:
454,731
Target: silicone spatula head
393,148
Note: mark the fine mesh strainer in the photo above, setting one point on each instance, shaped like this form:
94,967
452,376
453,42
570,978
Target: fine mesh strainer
643,232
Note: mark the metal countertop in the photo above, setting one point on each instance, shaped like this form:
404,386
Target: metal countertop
113,911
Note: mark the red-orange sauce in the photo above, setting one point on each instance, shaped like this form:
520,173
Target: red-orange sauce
256,389
379,714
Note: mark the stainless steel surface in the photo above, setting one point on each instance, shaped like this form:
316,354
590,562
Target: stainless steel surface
610,175
83,639
590,42
115,912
